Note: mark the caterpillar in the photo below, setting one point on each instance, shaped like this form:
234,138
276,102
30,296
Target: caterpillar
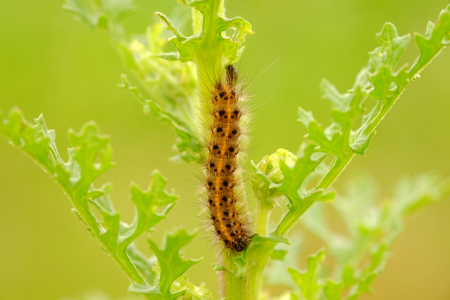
227,209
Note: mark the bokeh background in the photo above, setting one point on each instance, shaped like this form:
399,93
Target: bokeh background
52,64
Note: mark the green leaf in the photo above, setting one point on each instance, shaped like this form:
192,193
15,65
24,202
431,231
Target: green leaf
339,101
268,172
294,176
308,280
436,37
171,264
147,203
388,85
89,157
271,238
336,139
392,47
210,40
382,83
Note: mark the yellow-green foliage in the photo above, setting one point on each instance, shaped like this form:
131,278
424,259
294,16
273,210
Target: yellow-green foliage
172,81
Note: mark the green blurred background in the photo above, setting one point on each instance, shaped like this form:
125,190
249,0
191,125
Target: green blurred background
52,64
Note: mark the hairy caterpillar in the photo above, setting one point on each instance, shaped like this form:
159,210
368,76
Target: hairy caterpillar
227,211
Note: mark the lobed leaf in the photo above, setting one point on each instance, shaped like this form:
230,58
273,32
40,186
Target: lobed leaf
436,38
210,39
293,176
89,157
172,265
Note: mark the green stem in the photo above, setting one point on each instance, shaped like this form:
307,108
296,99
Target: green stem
337,166
208,58
258,258
258,252
263,211
233,286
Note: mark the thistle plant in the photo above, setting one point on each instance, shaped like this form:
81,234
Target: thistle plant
292,183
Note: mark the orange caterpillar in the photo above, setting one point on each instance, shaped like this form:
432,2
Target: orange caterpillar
228,213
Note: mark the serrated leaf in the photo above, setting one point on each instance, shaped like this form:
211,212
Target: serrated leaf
171,263
339,101
327,143
347,108
294,177
147,204
437,37
392,47
387,85
293,174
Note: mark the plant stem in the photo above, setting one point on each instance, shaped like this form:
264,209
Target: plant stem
233,286
258,258
263,210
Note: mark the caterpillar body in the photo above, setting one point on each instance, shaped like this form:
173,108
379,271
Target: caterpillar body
227,211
